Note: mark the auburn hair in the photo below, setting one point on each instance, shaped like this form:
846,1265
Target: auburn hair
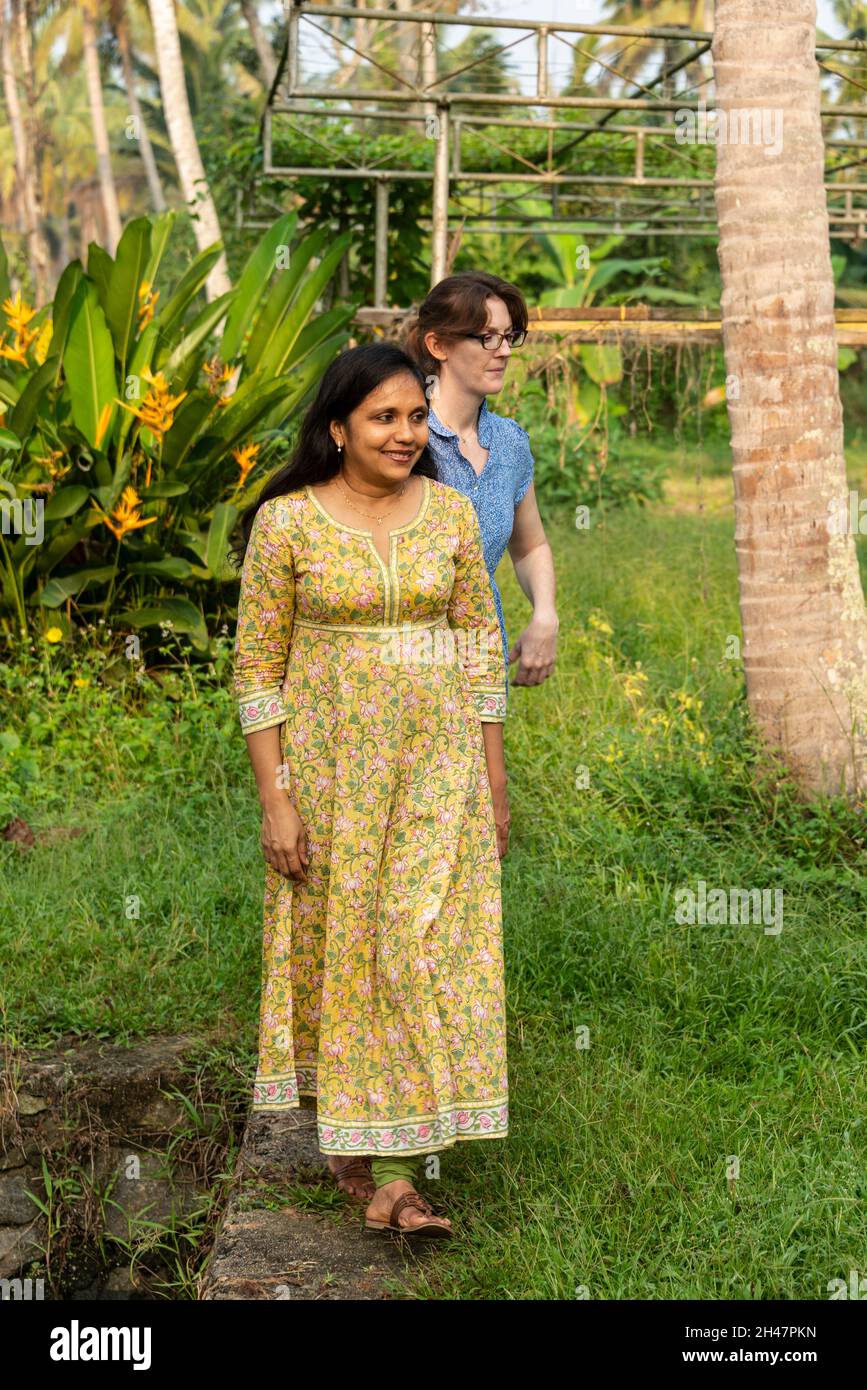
458,306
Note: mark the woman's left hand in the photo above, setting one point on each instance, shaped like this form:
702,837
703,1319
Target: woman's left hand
500,797
536,651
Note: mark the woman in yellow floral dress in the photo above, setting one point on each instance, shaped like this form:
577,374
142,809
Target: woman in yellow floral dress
371,690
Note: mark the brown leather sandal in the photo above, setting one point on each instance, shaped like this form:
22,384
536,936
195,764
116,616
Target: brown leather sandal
355,1168
429,1231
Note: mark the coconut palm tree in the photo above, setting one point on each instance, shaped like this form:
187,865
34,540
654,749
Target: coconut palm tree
179,122
119,22
802,607
90,20
15,57
261,42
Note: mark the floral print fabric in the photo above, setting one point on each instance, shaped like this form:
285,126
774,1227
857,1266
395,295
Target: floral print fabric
382,975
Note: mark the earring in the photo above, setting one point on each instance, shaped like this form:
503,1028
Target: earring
340,448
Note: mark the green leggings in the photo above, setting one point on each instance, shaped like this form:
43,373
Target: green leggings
391,1167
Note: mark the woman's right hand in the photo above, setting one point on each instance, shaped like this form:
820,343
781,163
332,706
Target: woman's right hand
284,839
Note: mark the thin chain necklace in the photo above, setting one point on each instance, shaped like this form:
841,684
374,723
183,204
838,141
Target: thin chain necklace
370,515
462,437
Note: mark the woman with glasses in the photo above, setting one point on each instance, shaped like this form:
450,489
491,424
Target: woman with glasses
466,331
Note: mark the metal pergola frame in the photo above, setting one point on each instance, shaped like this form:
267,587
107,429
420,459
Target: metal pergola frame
416,100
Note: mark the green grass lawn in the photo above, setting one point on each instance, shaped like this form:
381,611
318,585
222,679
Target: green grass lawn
632,773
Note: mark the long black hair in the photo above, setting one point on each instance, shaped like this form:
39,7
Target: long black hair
345,383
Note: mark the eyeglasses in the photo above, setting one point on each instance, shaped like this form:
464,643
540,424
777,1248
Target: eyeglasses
492,342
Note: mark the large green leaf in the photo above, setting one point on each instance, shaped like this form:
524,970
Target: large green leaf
64,298
255,278
301,383
236,423
99,265
187,423
22,417
317,331
127,274
189,285
222,525
276,357
165,487
161,231
8,440
280,297
57,591
183,615
134,388
89,363
170,567
198,331
65,502
603,362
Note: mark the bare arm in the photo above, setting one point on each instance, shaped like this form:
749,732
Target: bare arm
284,843
534,569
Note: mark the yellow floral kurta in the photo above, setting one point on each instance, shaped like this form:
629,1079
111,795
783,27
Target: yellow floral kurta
382,985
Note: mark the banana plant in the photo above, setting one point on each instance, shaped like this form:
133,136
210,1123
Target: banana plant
133,416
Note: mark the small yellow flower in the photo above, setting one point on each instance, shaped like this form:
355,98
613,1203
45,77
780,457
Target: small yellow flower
18,314
245,459
15,353
54,634
102,424
43,341
81,682
147,298
217,372
600,624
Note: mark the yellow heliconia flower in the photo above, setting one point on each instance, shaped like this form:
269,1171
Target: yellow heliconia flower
245,459
43,341
54,634
126,516
147,298
18,314
51,462
15,353
157,410
217,372
102,423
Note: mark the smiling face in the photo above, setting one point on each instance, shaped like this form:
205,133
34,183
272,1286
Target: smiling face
467,362
384,436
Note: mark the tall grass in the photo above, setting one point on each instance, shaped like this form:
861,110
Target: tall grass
687,1102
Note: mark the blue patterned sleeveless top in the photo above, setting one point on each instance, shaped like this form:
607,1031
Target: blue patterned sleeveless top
495,492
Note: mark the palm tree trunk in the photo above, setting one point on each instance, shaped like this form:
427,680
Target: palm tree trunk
121,29
14,61
264,51
802,607
93,78
179,120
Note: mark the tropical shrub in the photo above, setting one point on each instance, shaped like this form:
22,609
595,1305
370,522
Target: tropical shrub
131,419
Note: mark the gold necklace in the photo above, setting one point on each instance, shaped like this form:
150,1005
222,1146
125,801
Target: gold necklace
370,515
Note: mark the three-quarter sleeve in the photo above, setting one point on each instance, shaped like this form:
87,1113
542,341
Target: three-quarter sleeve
266,612
472,615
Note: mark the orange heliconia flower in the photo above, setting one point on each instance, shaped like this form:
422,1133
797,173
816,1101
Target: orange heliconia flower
245,459
125,516
147,298
157,410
